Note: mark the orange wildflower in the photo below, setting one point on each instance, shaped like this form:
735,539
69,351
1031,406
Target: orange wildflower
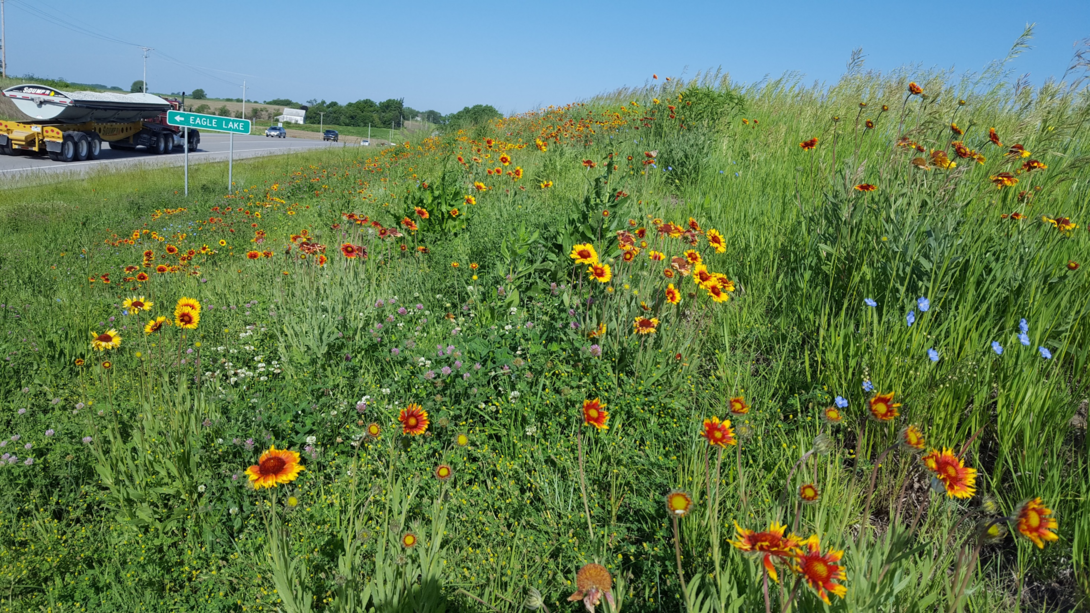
718,432
882,408
594,414
414,419
1036,523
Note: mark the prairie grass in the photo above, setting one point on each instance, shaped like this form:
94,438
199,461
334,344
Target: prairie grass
136,498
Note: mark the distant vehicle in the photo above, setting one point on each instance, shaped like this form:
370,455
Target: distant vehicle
276,131
330,135
73,126
365,143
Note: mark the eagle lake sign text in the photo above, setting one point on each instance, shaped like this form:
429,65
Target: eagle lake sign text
208,122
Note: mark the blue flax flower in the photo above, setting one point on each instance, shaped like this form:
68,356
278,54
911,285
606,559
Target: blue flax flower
1024,339
868,386
1045,353
911,317
934,355
924,304
841,402
869,302
1023,325
997,348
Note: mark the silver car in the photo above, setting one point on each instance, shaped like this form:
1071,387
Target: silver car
276,131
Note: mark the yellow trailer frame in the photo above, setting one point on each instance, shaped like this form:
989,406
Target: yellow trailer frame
33,136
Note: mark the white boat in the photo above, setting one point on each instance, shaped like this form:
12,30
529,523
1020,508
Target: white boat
47,105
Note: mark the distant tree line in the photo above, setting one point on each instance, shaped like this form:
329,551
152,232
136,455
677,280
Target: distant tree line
361,113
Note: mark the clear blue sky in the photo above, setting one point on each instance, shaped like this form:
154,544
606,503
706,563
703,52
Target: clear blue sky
514,55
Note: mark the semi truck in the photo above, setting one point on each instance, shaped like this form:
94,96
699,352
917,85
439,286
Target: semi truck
72,126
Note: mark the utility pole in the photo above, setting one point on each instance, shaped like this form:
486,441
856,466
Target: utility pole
321,122
3,44
145,81
244,99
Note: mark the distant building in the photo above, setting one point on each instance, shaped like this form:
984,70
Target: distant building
292,116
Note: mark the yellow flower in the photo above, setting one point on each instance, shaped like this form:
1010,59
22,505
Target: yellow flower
274,467
134,304
584,254
109,339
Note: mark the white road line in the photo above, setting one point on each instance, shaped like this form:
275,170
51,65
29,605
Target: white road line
151,158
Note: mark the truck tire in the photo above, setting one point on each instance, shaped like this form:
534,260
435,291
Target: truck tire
83,145
6,148
168,139
68,149
159,146
194,141
94,149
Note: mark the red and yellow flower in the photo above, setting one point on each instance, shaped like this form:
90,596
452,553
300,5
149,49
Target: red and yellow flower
808,493
865,187
595,414
832,415
421,213
1063,224
134,304
717,293
414,419
679,503
253,255
274,467
1004,179
373,430
808,145
644,325
770,545
1036,523
718,432
600,272
109,339
992,136
912,438
156,325
882,408
914,90
584,253
672,295
715,239
738,405
958,479
443,472
821,570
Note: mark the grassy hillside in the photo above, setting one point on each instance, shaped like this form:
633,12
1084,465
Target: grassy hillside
602,333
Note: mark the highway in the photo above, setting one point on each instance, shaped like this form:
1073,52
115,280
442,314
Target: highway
214,148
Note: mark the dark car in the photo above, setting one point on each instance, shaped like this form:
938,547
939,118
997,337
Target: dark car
330,135
276,131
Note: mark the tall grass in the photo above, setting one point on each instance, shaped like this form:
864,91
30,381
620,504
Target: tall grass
151,511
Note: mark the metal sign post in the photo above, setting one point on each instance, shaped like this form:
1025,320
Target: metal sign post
214,123
186,133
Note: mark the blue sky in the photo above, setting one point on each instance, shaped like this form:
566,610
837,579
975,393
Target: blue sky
515,56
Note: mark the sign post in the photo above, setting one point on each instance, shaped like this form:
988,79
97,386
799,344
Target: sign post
214,123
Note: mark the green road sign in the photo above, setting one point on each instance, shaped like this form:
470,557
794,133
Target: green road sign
208,122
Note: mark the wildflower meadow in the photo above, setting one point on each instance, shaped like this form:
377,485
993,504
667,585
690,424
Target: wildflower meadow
693,346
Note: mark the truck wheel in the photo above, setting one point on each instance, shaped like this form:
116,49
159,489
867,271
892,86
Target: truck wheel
6,148
159,146
169,144
194,141
94,147
68,148
83,145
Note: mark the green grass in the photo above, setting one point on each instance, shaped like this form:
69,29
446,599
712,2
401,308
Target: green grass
152,513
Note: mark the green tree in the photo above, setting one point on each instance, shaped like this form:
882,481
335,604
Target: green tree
470,116
137,86
198,94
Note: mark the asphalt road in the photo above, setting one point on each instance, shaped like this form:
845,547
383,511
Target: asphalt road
214,148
